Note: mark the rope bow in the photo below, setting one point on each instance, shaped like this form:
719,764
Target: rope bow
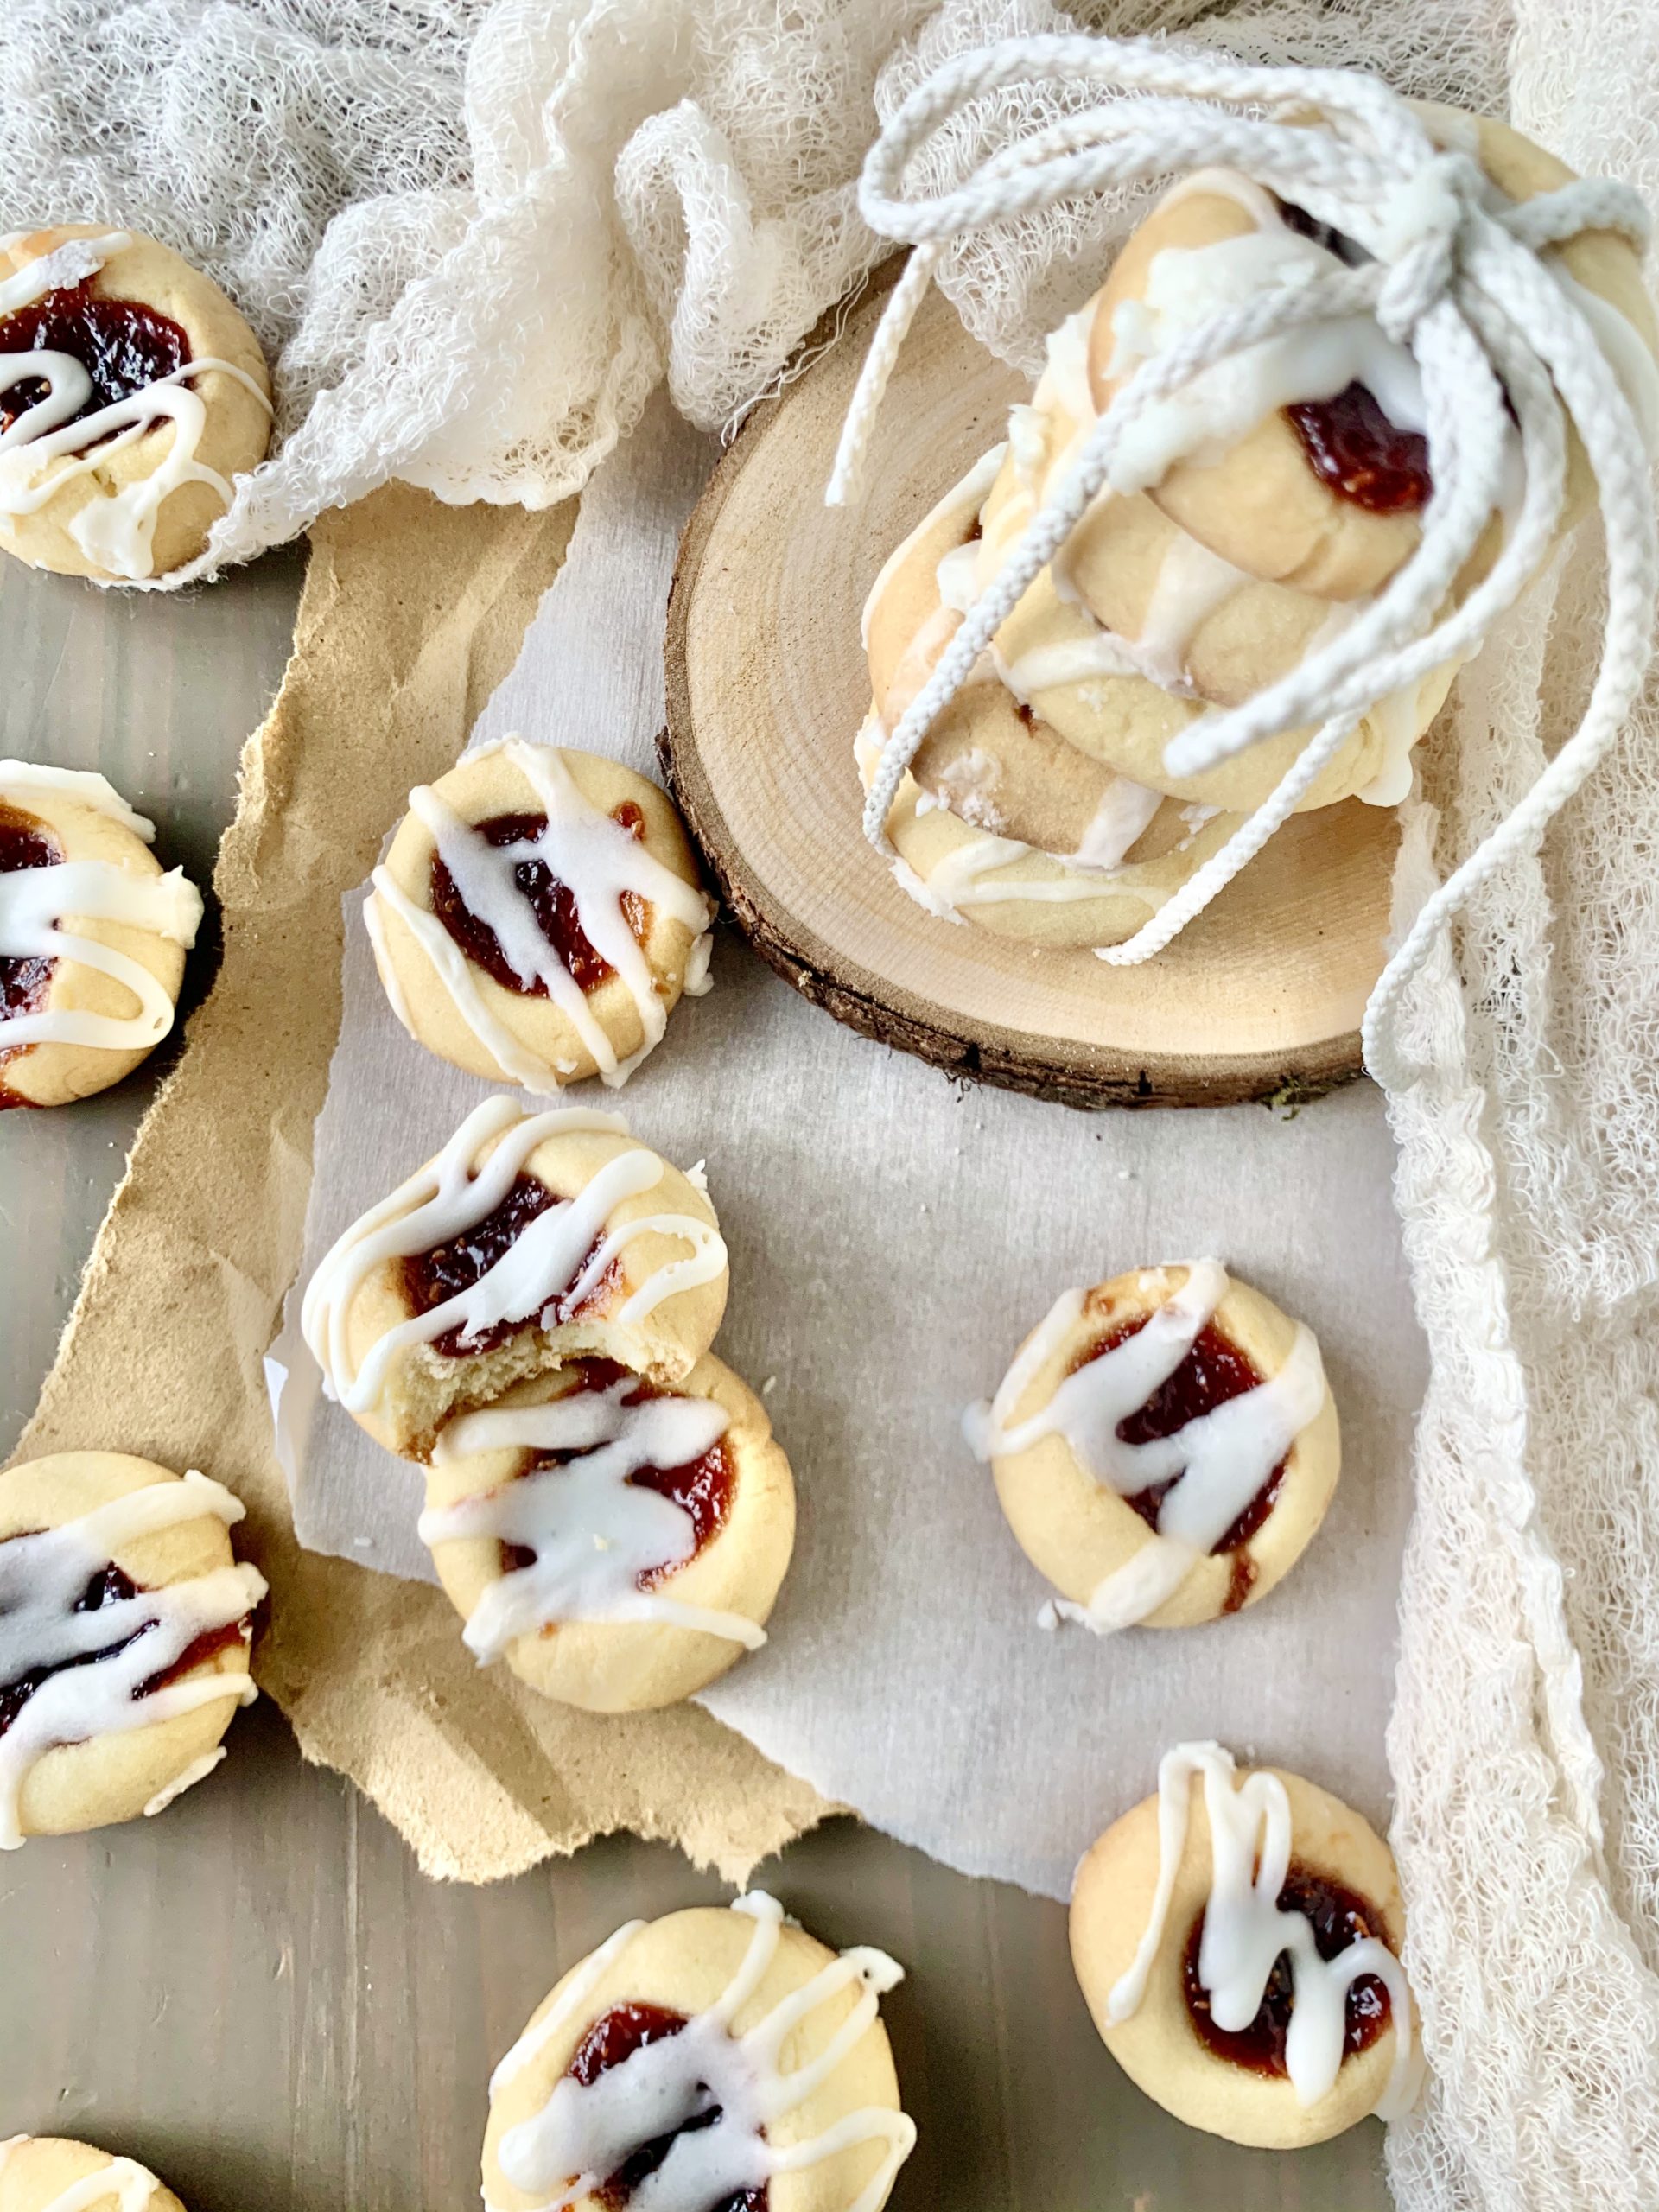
1454,275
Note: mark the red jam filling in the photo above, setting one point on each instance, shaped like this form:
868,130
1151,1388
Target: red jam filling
702,1488
1213,1372
123,347
553,904
1350,442
1352,446
24,842
109,1586
614,2036
431,1277
1339,1917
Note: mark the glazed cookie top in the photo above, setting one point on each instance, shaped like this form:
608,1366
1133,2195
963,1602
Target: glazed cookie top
1161,1403
557,1223
1304,459
605,1488
101,343
1135,626
72,856
655,2074
1285,1972
48,2173
550,876
90,1644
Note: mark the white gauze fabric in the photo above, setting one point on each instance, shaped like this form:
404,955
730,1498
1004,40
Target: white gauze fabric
1525,1736
475,233
472,234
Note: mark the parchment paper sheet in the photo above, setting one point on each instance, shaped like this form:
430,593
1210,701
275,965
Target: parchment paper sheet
892,1237
412,613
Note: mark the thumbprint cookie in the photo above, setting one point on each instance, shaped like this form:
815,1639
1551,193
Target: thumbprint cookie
92,935
539,916
1237,1940
1164,1447
720,2057
48,2173
125,1630
132,393
532,1239
618,1542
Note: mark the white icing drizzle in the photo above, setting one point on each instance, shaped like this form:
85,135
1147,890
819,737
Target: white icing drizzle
962,501
1118,822
42,1575
1395,718
1214,1464
583,1980
595,1531
957,575
597,861
698,978
35,900
116,531
18,779
1028,451
915,664
971,876
582,2135
1245,1931
133,2187
1191,583
1064,381
31,902
1187,286
64,267
541,1274
1069,661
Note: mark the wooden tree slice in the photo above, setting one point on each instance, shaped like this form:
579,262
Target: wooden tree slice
766,684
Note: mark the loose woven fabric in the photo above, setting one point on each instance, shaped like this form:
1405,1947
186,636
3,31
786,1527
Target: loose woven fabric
476,233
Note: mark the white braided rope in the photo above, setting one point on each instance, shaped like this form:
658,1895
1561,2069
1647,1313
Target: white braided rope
1459,285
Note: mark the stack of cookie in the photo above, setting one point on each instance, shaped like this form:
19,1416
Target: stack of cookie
1040,805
